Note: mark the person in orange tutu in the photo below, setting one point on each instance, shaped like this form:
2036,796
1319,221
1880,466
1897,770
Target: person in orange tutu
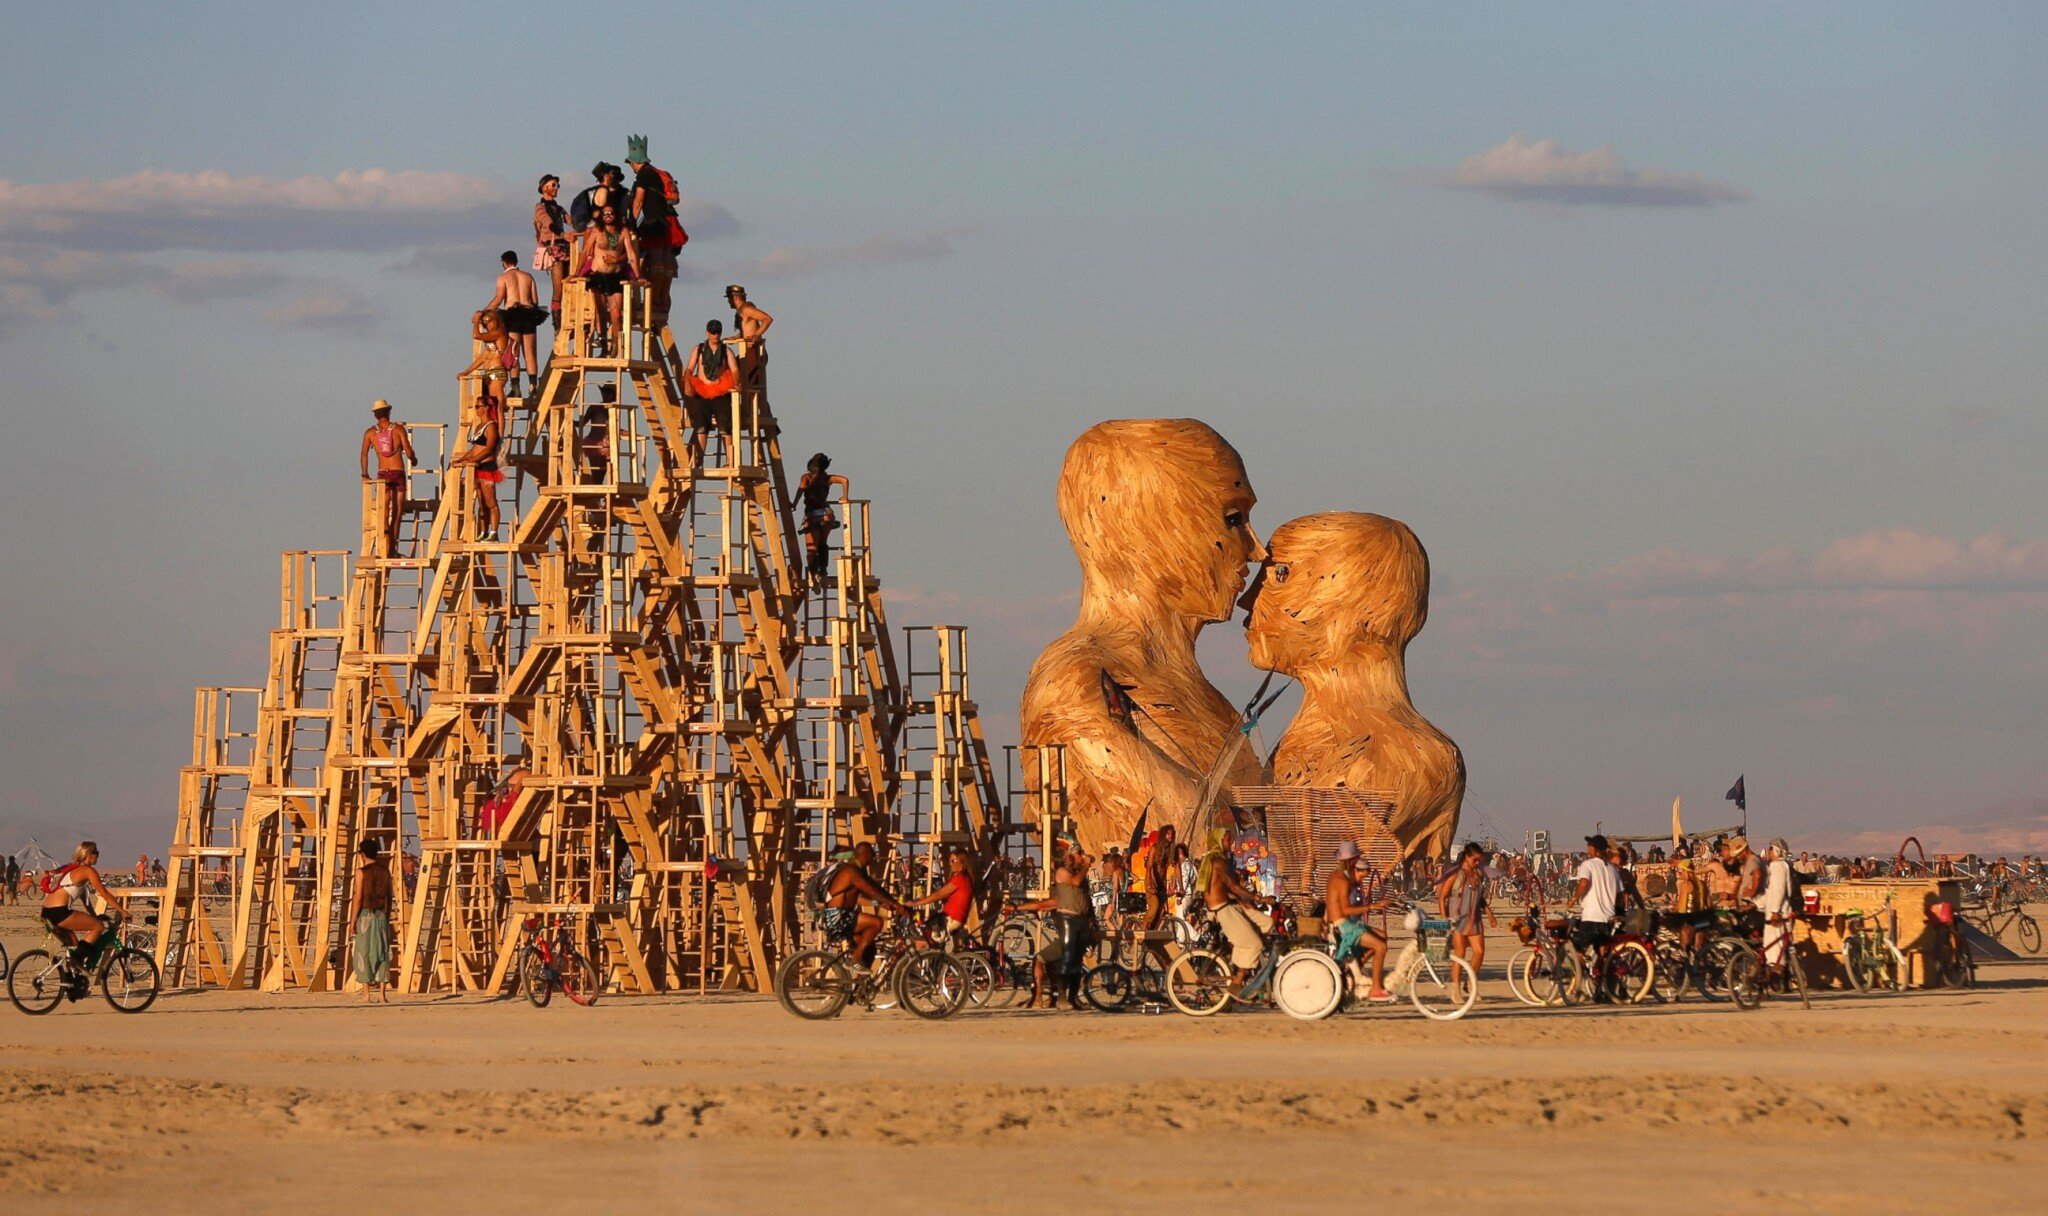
708,383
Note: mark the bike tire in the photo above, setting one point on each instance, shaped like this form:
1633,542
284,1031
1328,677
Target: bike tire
2030,934
1198,983
1308,985
35,983
814,985
931,984
1552,977
1517,973
1856,962
1434,993
985,985
1710,975
1109,987
578,979
1631,973
1667,983
537,978
1743,979
129,980
1017,938
1959,970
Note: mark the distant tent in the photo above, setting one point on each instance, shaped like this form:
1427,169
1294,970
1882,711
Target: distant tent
33,856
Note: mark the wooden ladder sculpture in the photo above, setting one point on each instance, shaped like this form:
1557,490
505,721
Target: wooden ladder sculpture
696,726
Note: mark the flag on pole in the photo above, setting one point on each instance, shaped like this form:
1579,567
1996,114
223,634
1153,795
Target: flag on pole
1138,832
1738,795
1677,828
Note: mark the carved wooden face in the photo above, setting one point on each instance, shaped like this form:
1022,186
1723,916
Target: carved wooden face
1332,583
1159,511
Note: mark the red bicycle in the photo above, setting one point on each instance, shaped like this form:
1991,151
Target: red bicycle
550,960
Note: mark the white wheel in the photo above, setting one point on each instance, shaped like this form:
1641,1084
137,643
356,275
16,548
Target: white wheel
1434,989
1518,976
1308,984
1198,983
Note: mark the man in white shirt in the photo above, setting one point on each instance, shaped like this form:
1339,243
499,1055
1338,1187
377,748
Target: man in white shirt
1775,902
1597,889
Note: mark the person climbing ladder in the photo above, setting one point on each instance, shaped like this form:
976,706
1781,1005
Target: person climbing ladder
815,489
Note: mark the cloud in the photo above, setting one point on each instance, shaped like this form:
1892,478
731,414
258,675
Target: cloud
791,261
1544,171
465,261
36,284
333,309
705,219
160,210
1890,615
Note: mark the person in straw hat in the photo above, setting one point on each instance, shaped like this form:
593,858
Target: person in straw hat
393,446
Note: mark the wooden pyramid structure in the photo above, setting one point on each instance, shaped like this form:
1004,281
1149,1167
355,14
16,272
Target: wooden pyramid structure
698,727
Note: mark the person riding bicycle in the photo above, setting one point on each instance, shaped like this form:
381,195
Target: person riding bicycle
957,892
1748,870
842,917
66,908
1229,902
1346,907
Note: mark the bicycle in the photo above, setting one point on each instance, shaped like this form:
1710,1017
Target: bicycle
818,984
1750,977
40,979
1310,984
1957,966
546,964
1872,959
1619,969
1997,917
1545,970
1198,982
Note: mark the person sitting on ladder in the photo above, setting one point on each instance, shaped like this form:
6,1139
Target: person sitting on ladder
815,488
393,446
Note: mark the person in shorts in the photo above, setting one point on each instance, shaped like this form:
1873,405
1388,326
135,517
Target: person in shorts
1345,906
519,300
393,446
1596,888
709,379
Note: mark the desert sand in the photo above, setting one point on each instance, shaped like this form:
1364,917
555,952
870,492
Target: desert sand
240,1101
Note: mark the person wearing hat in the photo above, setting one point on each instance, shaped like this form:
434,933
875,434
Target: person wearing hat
1346,907
815,489
750,327
393,446
652,213
1596,888
370,912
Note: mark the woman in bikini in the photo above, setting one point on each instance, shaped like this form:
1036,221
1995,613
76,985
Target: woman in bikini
68,909
481,451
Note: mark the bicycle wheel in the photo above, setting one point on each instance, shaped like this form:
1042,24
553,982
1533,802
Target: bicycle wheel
931,984
1631,973
1743,979
35,983
1667,982
128,980
1959,970
1198,983
2030,934
1018,937
1444,991
537,978
815,984
1710,974
985,986
1856,962
1109,987
1185,935
1518,974
1309,985
578,979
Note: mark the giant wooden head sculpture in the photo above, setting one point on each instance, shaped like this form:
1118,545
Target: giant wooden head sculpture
1342,595
1158,511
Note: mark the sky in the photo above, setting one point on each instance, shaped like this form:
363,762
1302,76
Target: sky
1699,344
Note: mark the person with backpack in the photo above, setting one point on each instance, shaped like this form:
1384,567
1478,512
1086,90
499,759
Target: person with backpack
838,893
661,232
67,904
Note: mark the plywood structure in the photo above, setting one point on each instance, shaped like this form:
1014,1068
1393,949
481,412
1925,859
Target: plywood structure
691,725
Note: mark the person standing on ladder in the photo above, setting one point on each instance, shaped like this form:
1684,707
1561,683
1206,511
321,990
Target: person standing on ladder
750,326
520,300
709,380
815,489
393,446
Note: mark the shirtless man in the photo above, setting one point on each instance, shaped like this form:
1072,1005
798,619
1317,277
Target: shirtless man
749,326
1228,900
843,914
611,258
393,446
520,299
1344,906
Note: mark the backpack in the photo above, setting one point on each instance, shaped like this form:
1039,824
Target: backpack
818,887
52,877
579,209
668,187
